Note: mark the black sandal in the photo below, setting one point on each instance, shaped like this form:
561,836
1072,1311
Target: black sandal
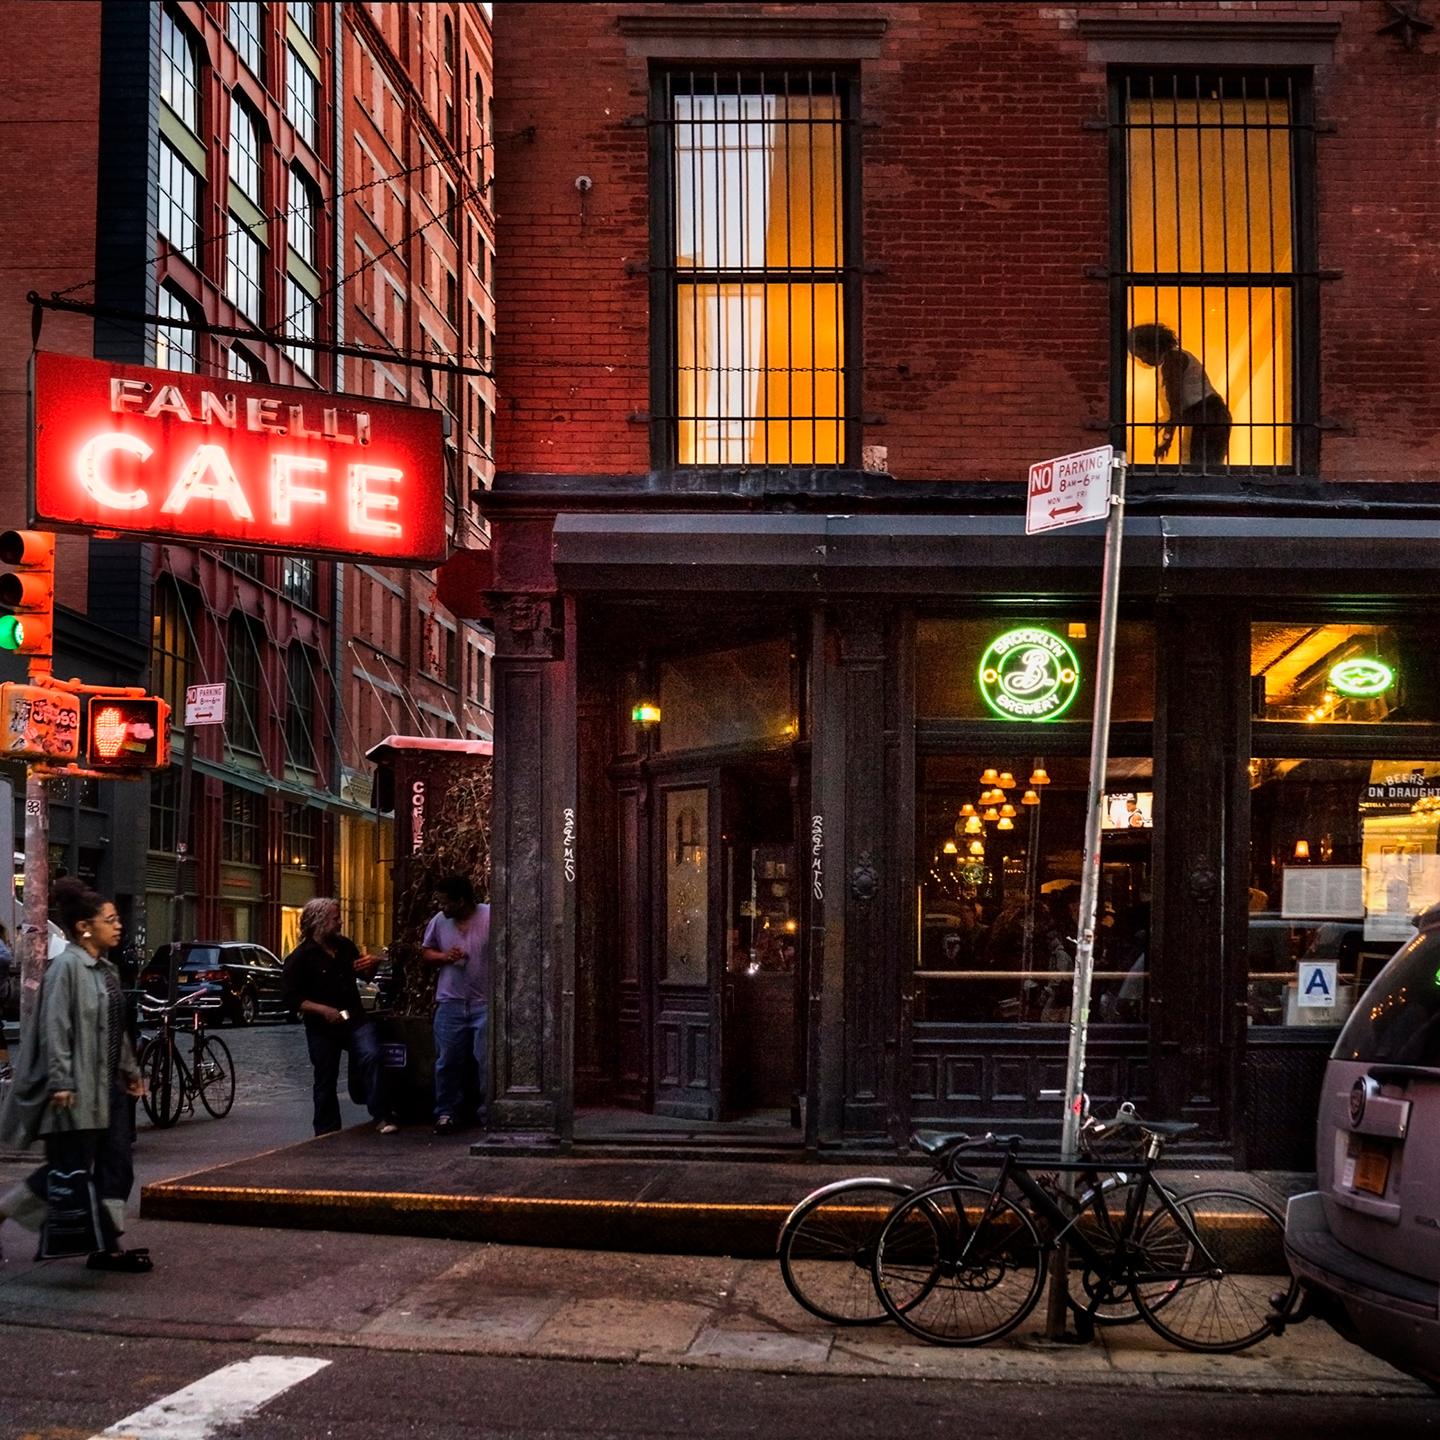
130,1262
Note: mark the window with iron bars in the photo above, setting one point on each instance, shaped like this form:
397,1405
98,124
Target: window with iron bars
1213,272
754,261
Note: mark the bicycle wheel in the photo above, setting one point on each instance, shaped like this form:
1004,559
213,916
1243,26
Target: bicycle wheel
164,1089
1221,1254
958,1266
827,1246
1101,1212
215,1076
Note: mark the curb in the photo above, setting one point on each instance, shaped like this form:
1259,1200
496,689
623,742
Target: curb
748,1231
745,1231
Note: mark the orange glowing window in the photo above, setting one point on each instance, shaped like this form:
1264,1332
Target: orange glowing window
1212,282
754,300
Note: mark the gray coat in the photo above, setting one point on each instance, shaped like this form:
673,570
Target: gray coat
66,1047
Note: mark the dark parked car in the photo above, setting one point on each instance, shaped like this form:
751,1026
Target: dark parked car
247,979
1366,1244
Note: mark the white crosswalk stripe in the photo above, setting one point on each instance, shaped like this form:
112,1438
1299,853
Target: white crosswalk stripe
220,1398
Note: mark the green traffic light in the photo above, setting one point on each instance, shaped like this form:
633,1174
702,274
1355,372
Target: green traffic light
12,632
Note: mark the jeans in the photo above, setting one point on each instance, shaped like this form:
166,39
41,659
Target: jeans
460,1035
327,1044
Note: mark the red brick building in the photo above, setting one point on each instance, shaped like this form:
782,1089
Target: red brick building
313,173
793,298
420,246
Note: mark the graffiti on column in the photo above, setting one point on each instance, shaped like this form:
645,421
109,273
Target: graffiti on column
817,856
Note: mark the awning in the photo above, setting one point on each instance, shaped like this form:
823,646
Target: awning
829,555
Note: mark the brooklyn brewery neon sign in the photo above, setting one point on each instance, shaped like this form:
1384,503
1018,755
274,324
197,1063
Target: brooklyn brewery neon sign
1029,674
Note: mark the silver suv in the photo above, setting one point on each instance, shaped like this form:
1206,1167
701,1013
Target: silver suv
1366,1244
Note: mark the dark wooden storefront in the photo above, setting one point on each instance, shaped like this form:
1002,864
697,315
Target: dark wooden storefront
589,809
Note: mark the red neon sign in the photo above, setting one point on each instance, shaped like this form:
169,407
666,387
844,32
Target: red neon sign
194,457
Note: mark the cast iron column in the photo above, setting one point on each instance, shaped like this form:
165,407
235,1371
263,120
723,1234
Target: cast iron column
536,853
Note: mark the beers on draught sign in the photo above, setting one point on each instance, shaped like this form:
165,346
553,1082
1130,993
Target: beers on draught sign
196,457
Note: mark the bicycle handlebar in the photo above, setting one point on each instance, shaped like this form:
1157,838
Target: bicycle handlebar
151,1006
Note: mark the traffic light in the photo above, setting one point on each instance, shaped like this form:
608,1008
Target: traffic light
27,592
127,733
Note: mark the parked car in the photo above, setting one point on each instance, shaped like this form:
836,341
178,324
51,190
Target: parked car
376,989
1366,1244
247,979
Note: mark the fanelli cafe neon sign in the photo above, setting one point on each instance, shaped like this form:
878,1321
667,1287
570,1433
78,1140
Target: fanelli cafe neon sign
194,457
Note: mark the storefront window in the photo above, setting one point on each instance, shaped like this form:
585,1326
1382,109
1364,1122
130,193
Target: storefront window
1344,673
687,885
1343,855
1028,669
726,697
1001,842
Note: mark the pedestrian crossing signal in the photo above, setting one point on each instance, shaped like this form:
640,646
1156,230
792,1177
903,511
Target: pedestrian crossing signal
127,733
27,592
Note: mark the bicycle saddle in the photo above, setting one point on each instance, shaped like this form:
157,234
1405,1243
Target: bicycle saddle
942,1142
1169,1129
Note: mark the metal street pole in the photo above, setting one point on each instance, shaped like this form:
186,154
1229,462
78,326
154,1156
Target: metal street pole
182,858
1090,876
34,947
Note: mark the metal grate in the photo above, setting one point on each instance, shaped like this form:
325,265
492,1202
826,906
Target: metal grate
1212,285
754,267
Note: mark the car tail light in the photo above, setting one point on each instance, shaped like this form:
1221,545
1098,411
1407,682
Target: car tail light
220,976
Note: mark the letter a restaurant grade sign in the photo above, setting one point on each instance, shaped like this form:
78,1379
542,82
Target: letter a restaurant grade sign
195,457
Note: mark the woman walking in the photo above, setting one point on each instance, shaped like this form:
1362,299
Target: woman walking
76,1070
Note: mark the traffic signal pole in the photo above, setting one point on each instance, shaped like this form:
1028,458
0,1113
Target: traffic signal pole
34,946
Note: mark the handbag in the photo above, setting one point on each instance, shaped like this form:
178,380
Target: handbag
72,1216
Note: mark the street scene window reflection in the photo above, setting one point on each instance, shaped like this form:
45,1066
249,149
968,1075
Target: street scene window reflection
1210,261
1001,839
1343,855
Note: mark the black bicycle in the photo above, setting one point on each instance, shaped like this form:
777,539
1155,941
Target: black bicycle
827,1243
962,1263
171,1085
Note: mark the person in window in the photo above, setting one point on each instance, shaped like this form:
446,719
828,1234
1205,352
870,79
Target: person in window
457,939
1192,403
76,1070
320,987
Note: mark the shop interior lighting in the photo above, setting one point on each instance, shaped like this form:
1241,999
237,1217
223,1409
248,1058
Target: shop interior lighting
1007,781
1039,777
1030,797
1302,849
1006,823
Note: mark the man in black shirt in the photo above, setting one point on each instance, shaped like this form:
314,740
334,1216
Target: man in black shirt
320,983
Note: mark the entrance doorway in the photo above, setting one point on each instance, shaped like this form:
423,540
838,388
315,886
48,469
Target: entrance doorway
725,942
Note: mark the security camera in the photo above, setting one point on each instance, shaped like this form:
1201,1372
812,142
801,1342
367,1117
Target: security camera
584,184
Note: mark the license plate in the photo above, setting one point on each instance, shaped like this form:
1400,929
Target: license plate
1372,1167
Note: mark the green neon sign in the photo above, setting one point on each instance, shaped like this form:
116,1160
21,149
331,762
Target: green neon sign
1361,678
1029,674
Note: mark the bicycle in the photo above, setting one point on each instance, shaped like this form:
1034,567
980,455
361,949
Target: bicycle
963,1264
827,1243
170,1084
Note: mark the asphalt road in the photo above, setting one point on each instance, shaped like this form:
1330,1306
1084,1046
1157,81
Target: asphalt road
54,1385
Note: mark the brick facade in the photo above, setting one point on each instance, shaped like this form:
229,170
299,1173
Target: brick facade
985,198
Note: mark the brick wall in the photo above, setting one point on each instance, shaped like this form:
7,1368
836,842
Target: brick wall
985,196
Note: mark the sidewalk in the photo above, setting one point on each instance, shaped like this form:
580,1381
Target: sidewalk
252,1286
414,1184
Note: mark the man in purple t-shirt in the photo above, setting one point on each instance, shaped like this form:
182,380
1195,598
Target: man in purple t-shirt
458,941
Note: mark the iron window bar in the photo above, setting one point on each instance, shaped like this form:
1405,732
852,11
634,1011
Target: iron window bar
755,269
1213,275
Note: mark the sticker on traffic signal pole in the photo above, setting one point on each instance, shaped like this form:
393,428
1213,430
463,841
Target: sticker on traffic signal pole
39,722
27,592
127,733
